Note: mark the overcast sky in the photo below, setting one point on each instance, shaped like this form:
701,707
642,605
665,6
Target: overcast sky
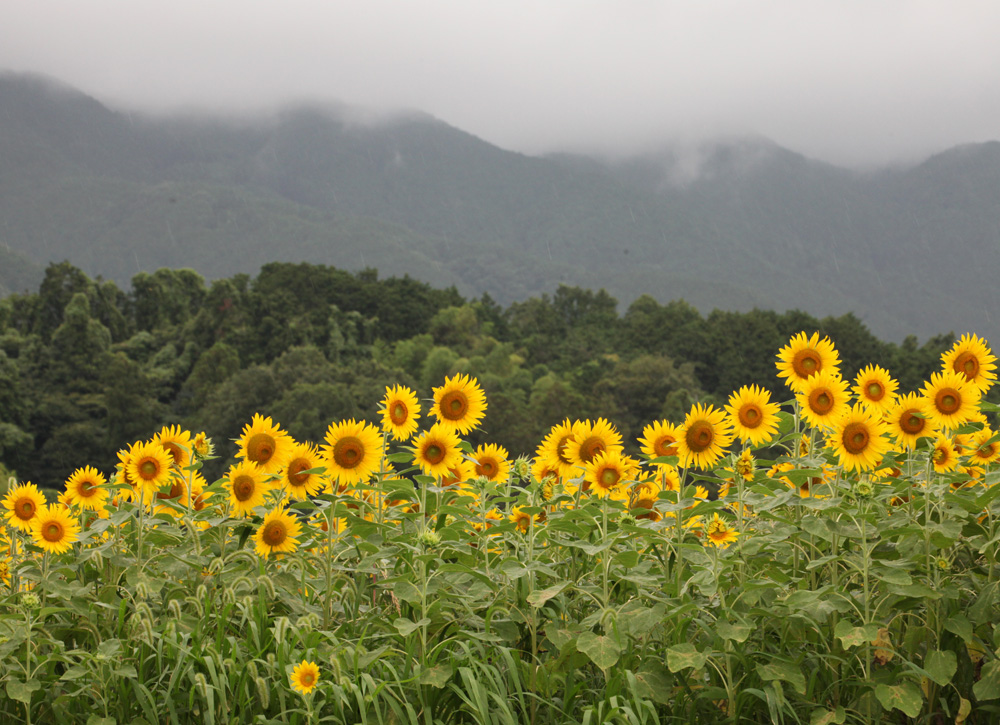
855,82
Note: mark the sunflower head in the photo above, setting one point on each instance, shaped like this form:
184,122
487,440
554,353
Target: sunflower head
490,461
23,503
436,451
944,455
55,529
984,446
719,533
305,677
400,412
296,478
459,404
971,358
752,415
875,388
804,357
823,398
704,436
609,474
247,484
149,468
591,438
659,439
553,451
85,488
177,442
277,533
264,444
950,400
353,450
907,422
859,439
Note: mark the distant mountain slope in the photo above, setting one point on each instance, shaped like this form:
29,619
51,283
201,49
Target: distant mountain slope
733,224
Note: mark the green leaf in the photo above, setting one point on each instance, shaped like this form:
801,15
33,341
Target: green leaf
406,591
642,620
988,687
655,684
21,691
602,650
941,666
125,671
736,631
783,672
905,697
96,720
538,597
852,636
682,656
828,717
959,624
892,576
406,627
436,676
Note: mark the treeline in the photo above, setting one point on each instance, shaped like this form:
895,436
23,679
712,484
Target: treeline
86,367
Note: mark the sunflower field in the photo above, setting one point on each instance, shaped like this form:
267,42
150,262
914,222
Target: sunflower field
830,557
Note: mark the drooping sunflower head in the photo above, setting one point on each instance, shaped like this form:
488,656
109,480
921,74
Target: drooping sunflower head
985,446
55,529
907,422
400,412
719,533
875,388
704,436
804,357
553,450
86,488
752,415
859,439
278,533
247,484
659,439
591,438
23,503
459,404
950,400
264,444
149,468
609,474
353,450
177,442
823,398
436,451
971,357
296,476
305,677
491,462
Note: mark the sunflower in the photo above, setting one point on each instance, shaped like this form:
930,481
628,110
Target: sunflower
521,518
85,488
950,400
353,450
305,676
859,439
542,469
295,476
971,358
54,529
177,494
752,414
719,533
23,502
176,442
669,478
589,439
459,474
608,473
823,398
814,486
247,485
907,421
552,452
944,457
875,388
704,435
804,357
265,444
400,411
983,449
277,533
459,404
643,497
660,439
149,468
491,462
436,451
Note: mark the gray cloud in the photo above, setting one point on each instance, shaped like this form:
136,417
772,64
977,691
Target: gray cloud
850,81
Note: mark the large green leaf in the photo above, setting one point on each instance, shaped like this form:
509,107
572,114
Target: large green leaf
905,697
941,666
682,656
778,671
602,650
988,687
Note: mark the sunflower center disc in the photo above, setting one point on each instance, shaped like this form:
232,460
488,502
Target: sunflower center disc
948,400
260,448
274,534
821,401
591,447
434,454
25,510
699,436
397,414
939,456
52,532
665,446
148,469
855,438
750,416
968,364
243,488
487,468
609,477
174,450
561,449
87,489
295,471
348,452
911,423
806,363
875,391
454,406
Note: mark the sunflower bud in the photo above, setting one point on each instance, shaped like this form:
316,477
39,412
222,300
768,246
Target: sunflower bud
864,489
30,600
202,445
522,468
429,538
626,519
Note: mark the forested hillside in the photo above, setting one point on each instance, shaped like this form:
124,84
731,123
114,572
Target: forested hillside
86,367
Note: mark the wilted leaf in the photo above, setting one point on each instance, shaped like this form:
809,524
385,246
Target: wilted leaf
828,717
436,676
736,631
682,656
